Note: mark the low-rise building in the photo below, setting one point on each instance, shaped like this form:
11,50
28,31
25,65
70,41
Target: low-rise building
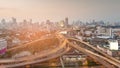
113,45
3,46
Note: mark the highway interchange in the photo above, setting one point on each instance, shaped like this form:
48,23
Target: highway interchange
64,47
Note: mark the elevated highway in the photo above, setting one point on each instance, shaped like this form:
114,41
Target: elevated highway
67,43
86,48
37,58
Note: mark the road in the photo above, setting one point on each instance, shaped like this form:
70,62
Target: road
27,44
98,57
108,56
48,57
40,57
101,57
32,57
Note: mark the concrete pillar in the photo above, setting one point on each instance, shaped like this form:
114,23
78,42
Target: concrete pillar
62,63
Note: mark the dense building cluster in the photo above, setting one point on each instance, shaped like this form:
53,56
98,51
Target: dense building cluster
13,33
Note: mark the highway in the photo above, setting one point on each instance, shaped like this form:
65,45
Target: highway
64,47
96,49
55,55
93,54
38,55
27,44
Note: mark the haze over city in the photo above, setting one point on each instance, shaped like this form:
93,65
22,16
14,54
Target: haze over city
55,10
59,34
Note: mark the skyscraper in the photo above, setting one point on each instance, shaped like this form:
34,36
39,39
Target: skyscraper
66,22
14,20
3,21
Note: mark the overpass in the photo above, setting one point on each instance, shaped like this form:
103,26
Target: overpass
39,57
68,42
93,52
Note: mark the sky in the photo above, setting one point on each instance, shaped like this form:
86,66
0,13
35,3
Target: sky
56,10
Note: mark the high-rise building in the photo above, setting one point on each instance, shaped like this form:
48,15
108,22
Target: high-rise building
48,22
66,22
3,21
61,23
13,23
3,24
30,20
14,20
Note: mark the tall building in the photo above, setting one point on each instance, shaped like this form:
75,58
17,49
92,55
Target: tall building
13,23
14,20
66,22
30,20
3,24
61,23
3,21
48,22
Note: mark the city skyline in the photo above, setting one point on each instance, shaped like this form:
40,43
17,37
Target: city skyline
59,33
56,10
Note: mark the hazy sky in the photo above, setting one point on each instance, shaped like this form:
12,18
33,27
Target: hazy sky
55,10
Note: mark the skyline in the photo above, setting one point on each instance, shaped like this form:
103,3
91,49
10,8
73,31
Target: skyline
56,10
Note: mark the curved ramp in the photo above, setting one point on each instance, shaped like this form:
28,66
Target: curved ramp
102,59
55,55
32,57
